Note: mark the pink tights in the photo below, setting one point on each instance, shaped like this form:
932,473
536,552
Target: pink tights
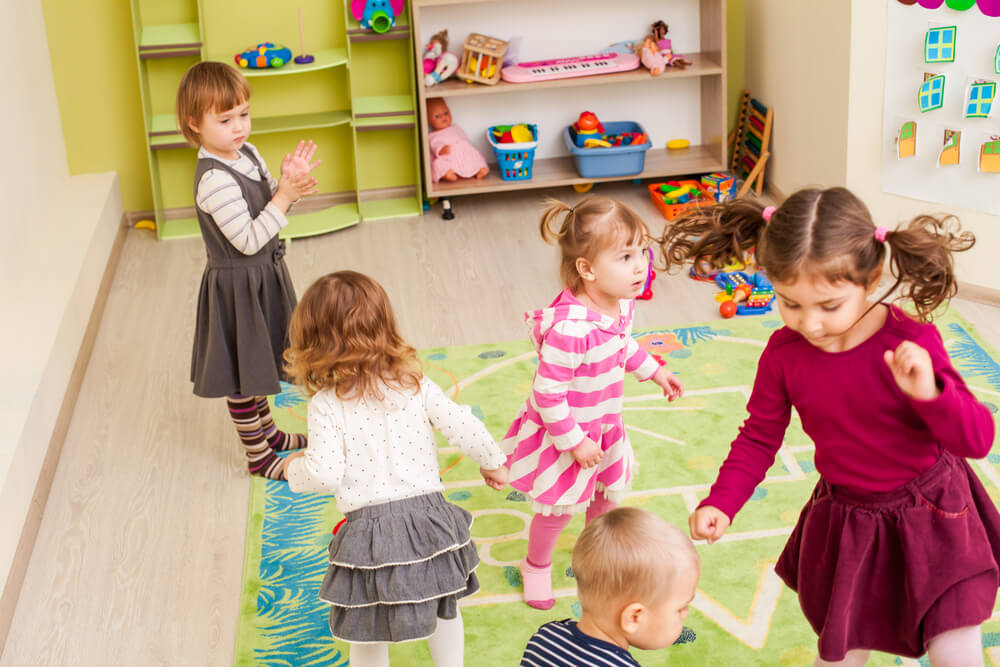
542,537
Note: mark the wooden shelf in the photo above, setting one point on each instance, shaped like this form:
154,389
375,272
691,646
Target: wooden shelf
559,171
169,40
324,58
303,121
399,30
382,209
702,64
305,224
384,112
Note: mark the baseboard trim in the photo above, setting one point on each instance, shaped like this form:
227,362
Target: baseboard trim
979,294
33,520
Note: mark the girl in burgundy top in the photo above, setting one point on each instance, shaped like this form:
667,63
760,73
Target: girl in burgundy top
897,548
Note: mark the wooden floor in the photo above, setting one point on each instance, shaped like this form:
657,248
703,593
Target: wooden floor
139,556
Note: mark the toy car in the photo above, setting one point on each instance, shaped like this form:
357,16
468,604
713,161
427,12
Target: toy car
264,55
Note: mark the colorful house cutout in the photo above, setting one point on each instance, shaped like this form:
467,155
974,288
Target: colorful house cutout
950,155
980,102
906,142
931,94
939,44
989,156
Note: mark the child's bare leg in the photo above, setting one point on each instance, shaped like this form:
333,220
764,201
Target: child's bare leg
856,658
447,644
370,655
962,647
450,175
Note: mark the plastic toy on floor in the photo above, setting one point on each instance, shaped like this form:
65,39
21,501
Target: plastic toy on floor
745,294
439,64
452,154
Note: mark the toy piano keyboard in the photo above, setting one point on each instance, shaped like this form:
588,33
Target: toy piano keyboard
564,68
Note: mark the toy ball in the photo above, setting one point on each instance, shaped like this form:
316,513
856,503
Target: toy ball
728,309
264,55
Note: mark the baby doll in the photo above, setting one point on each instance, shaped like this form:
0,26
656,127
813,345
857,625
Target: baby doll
439,64
452,154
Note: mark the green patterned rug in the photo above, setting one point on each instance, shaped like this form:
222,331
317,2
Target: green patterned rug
742,614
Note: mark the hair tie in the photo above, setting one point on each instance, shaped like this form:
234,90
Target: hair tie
767,213
881,233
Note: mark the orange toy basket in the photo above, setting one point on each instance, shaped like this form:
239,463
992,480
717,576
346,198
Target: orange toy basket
671,211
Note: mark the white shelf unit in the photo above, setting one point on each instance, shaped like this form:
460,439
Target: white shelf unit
705,89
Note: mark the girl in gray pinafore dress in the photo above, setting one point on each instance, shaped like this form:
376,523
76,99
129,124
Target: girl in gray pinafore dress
246,297
403,556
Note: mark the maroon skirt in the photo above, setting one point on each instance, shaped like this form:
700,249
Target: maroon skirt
890,571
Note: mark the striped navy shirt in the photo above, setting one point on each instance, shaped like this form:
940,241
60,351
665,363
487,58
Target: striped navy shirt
561,644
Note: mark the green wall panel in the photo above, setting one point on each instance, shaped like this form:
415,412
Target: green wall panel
379,165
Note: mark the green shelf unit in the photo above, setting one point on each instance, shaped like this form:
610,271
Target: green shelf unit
356,100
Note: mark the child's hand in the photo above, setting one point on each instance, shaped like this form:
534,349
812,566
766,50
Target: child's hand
672,387
297,164
495,479
293,188
913,371
708,523
294,455
588,453
444,150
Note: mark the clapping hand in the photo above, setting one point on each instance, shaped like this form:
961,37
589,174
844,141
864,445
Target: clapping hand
297,163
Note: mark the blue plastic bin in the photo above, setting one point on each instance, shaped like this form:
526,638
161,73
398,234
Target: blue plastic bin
613,161
514,161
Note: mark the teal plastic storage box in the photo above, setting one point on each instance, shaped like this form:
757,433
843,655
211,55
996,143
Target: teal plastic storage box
514,161
613,161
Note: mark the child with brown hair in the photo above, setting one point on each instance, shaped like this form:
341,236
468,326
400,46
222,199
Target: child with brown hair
567,448
897,548
635,577
404,556
246,296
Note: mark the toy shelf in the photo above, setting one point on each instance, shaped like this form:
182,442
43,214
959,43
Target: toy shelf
559,171
702,64
704,92
169,36
359,82
324,59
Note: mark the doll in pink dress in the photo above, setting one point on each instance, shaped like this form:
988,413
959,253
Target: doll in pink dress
452,154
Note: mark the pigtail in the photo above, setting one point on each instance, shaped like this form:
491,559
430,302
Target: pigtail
716,233
921,257
551,233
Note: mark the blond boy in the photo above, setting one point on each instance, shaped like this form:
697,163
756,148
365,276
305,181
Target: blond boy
636,575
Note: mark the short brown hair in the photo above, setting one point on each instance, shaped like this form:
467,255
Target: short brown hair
343,336
204,87
629,554
588,228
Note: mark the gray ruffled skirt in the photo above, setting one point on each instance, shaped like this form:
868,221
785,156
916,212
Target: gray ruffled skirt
397,567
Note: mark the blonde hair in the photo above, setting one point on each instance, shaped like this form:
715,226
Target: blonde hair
584,230
629,554
343,336
204,87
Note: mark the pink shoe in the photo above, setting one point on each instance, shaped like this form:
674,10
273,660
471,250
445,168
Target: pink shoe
537,585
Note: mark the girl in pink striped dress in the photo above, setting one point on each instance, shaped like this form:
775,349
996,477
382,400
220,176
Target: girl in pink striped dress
567,449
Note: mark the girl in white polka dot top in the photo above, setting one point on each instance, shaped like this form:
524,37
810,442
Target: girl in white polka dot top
404,556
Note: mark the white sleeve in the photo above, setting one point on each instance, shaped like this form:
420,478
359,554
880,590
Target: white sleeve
220,196
321,468
461,427
271,182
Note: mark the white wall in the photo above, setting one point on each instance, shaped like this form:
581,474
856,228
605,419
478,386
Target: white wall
865,143
56,234
665,108
796,64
